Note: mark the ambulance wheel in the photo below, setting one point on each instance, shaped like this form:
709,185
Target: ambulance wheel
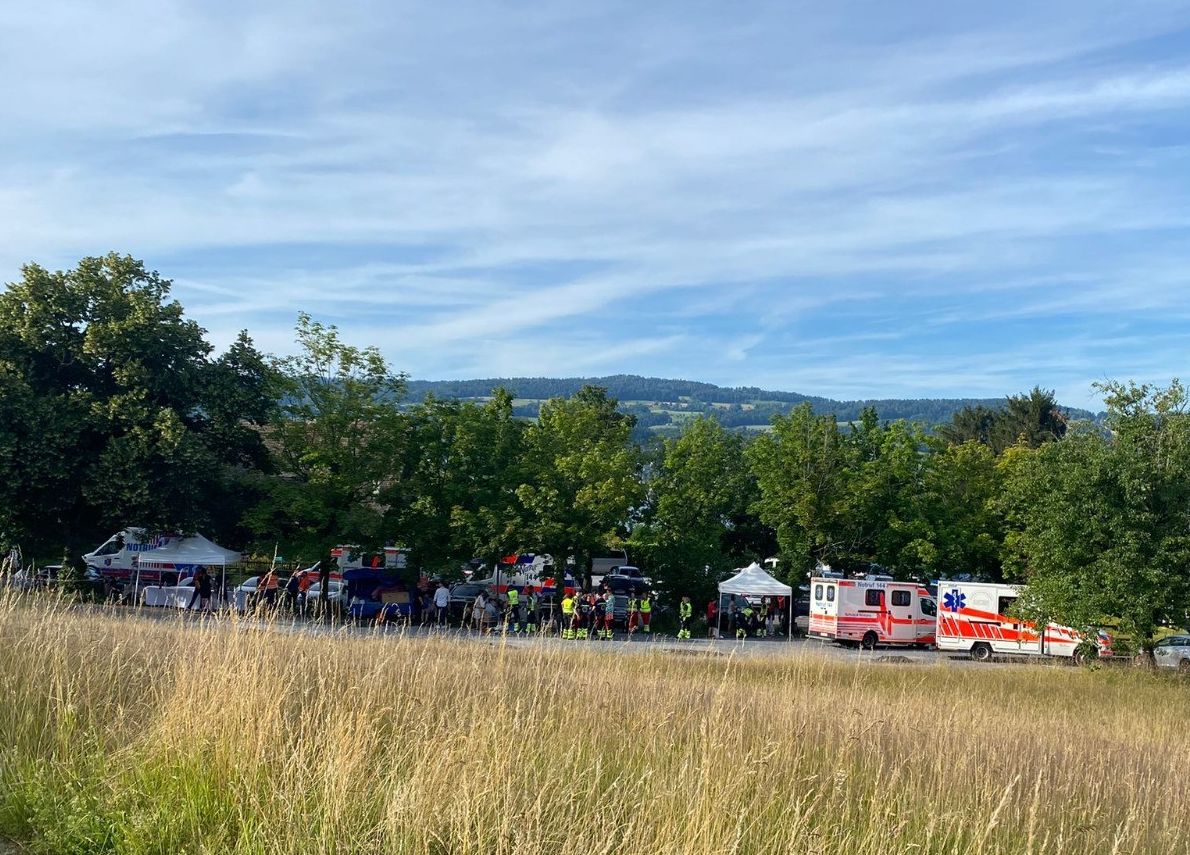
981,652
868,642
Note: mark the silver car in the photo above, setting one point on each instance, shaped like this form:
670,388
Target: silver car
1173,652
336,596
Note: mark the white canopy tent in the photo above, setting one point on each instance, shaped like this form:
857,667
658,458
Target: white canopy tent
754,580
189,551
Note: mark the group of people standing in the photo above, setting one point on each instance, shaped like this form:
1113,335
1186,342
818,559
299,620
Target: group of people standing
578,615
595,615
745,620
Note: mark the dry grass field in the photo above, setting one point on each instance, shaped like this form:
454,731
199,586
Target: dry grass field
126,735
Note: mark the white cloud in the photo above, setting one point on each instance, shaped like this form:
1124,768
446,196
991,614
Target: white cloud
614,171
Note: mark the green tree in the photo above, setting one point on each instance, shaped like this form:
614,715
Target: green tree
117,415
885,465
1101,520
581,475
840,498
973,423
698,520
457,497
953,524
801,470
1031,419
339,437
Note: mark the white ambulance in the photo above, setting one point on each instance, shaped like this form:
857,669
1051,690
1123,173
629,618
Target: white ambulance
973,618
871,612
119,555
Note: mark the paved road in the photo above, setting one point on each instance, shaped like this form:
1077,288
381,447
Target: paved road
622,644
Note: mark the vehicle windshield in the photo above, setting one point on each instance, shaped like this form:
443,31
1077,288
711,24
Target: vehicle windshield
111,547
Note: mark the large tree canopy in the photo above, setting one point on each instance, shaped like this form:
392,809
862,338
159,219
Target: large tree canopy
1102,519
338,438
697,522
114,411
581,475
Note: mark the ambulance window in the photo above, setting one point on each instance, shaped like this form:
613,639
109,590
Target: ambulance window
1005,604
901,598
830,593
818,592
928,607
111,547
871,597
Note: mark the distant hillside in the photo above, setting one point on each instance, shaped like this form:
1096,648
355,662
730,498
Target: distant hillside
661,405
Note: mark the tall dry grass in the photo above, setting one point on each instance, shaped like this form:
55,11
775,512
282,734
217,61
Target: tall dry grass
129,735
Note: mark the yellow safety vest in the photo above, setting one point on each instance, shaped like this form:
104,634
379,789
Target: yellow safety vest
514,598
567,606
646,605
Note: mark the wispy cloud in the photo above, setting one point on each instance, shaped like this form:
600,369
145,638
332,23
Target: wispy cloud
669,189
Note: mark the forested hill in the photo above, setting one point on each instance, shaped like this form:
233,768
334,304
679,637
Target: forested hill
662,404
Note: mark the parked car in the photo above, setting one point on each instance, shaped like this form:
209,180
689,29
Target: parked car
336,596
1173,652
462,598
801,614
622,580
244,594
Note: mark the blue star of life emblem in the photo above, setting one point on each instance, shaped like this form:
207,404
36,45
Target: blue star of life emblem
954,600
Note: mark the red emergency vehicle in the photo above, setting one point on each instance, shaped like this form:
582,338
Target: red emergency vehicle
871,612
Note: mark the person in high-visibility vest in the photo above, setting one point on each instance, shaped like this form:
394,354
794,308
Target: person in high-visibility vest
762,617
744,623
514,610
646,610
600,607
530,611
584,611
685,613
609,617
267,587
568,616
633,613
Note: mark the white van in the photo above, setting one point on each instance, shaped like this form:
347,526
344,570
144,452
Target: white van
119,555
871,612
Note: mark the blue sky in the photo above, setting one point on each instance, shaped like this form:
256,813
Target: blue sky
845,199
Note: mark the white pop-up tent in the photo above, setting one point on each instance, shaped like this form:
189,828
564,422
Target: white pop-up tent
755,581
189,551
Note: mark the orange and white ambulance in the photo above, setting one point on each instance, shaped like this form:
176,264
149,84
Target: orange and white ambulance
973,618
871,612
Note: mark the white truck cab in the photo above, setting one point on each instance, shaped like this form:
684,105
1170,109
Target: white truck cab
119,555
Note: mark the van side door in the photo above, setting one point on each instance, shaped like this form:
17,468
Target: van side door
902,613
